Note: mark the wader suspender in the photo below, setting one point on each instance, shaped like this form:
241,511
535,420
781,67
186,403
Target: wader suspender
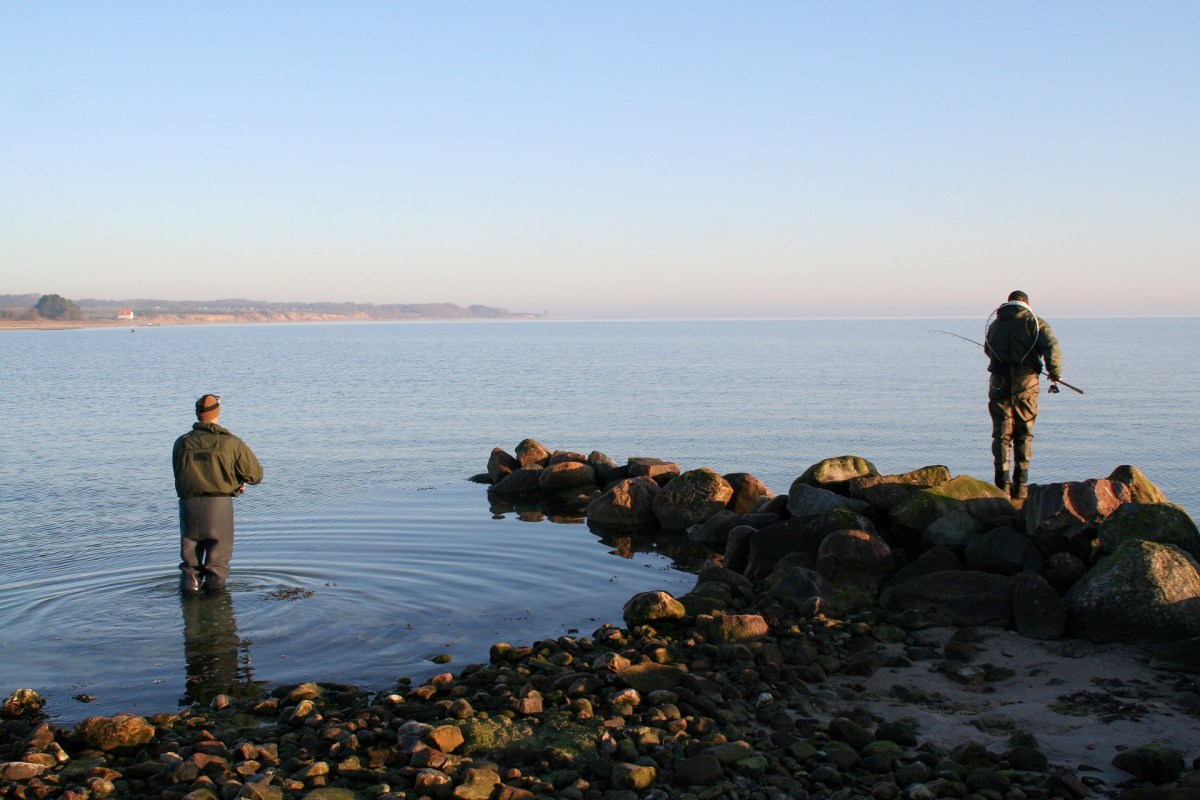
1037,331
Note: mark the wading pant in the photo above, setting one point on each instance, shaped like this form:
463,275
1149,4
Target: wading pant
205,540
1013,405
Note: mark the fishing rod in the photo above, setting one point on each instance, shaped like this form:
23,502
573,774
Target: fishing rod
980,344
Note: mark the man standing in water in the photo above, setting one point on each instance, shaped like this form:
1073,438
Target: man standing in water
212,466
1016,344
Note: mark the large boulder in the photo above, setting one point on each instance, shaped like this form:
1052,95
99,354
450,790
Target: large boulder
856,563
958,498
747,490
690,498
530,453
805,500
968,597
796,535
1165,523
1003,550
1039,611
661,472
500,464
1144,593
857,558
626,505
885,492
1063,517
1140,487
714,531
523,482
567,474
835,473
602,465
799,585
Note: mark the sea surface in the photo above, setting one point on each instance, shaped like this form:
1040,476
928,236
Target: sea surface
367,555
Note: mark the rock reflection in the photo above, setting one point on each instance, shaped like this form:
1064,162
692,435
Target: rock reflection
685,555
217,661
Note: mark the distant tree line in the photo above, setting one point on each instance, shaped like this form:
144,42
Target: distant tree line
53,306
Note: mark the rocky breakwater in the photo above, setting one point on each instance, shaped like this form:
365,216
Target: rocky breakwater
751,685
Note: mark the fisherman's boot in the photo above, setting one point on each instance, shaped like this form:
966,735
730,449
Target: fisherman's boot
1020,484
1000,459
189,583
1002,477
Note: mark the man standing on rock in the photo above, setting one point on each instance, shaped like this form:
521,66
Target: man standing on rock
1016,343
212,466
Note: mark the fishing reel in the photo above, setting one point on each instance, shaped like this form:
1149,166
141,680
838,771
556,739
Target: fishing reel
1053,388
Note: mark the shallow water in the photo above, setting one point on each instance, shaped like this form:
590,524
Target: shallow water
366,552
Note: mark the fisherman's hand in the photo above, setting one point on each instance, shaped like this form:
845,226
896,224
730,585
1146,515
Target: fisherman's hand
242,489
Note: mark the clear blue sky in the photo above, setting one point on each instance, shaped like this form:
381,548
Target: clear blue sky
607,158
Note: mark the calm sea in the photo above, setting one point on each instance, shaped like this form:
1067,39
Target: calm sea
366,555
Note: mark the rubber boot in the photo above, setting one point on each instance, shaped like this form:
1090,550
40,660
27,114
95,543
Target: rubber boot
1002,477
1020,484
188,583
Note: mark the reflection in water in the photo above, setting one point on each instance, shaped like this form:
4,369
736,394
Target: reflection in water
217,661
685,555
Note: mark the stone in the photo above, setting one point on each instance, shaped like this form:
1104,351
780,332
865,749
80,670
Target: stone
1064,517
968,597
647,677
1165,523
714,531
1155,763
501,464
626,505
699,770
730,628
661,472
1141,489
987,505
651,607
737,547
855,557
1143,593
446,738
691,498
1004,551
805,500
531,453
477,783
637,777
119,732
885,492
1039,612
835,473
800,584
747,492
602,466
566,475
20,770
22,704
522,482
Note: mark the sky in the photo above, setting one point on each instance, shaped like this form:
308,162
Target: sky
668,159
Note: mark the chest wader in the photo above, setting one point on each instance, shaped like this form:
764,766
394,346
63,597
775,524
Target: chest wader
1013,405
205,541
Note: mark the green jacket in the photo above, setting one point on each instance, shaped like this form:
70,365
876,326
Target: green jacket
1019,337
210,461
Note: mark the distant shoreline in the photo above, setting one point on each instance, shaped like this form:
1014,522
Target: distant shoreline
219,319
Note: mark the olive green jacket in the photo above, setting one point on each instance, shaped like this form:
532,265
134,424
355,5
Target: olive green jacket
210,461
1017,337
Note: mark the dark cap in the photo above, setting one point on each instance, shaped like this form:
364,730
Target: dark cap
1018,295
208,408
